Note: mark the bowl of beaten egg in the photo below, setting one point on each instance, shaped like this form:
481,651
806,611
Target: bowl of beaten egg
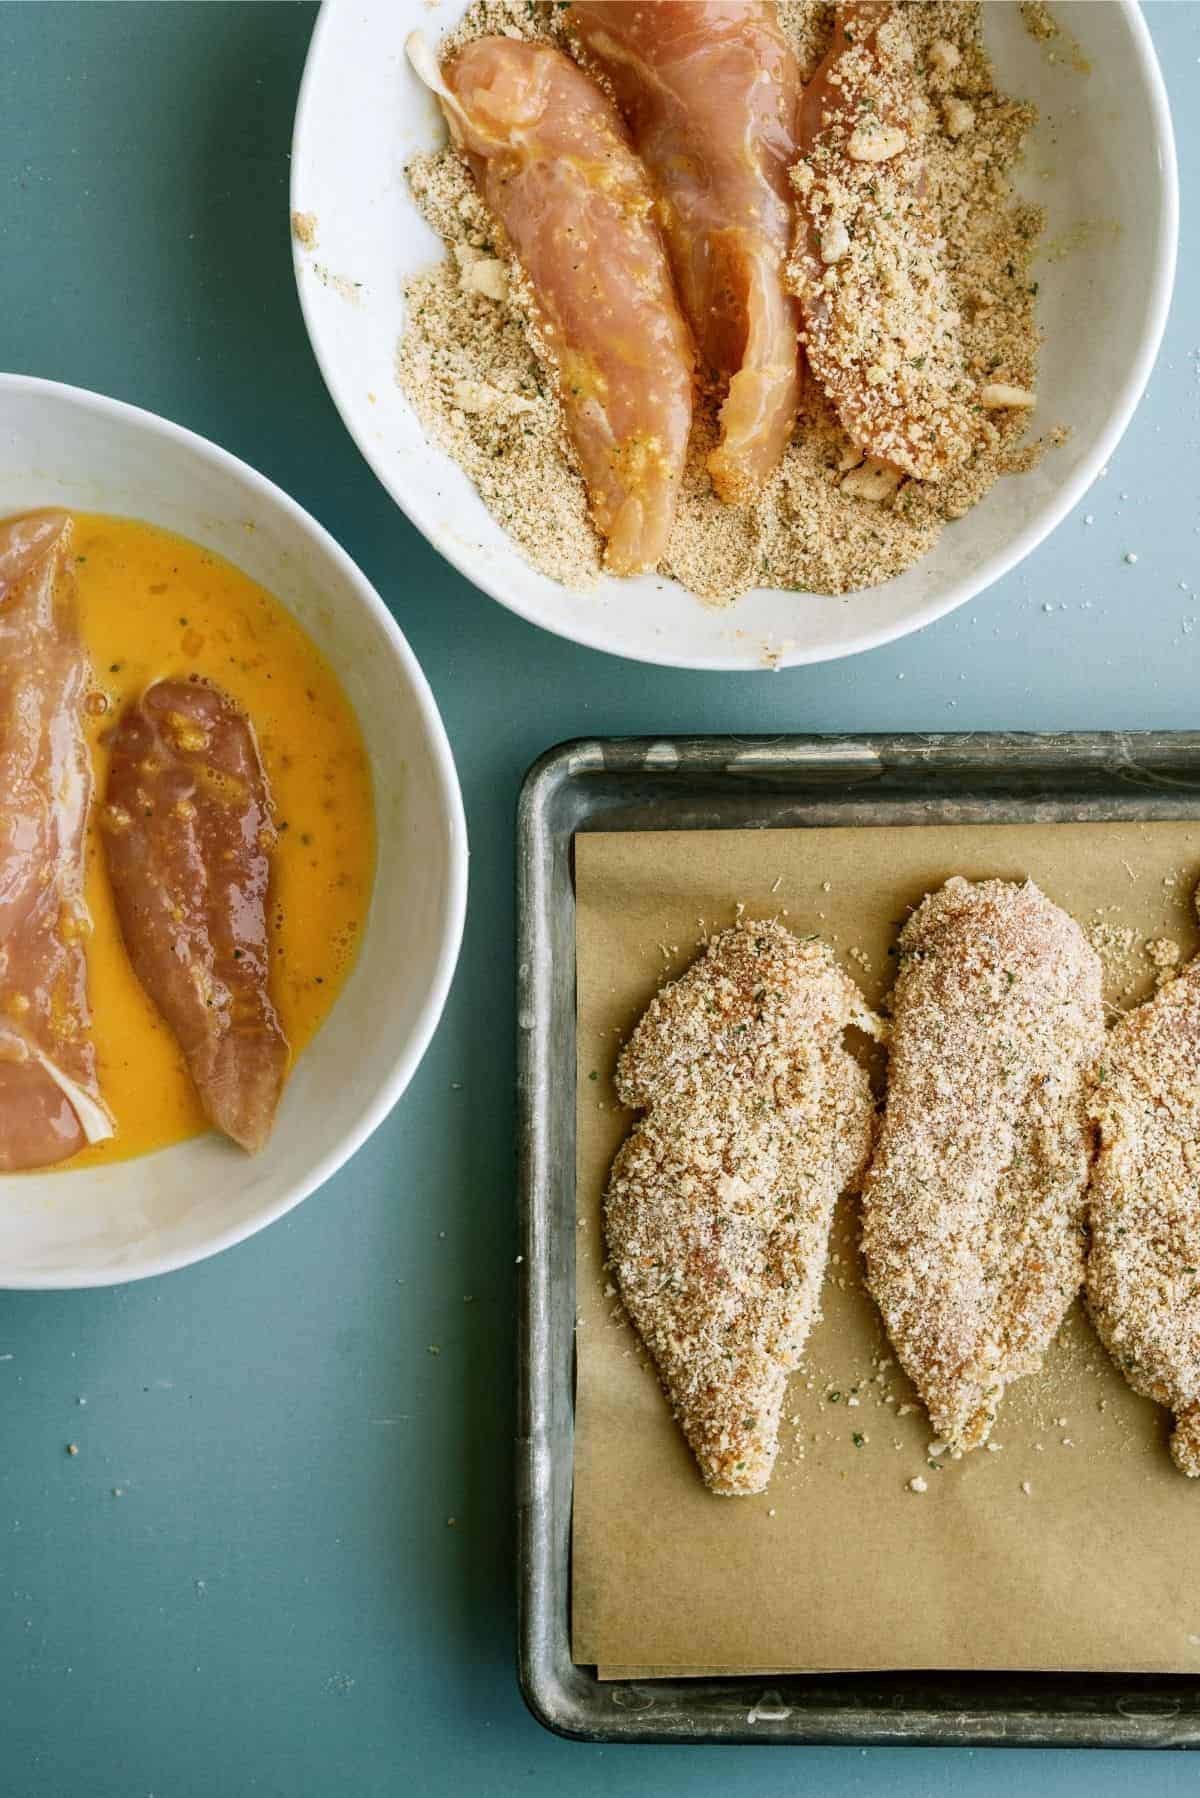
452,405
185,566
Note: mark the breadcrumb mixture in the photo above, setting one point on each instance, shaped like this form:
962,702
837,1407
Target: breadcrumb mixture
720,1202
472,364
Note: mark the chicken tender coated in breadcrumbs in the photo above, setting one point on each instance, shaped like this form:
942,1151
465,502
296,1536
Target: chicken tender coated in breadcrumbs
973,1207
1143,1270
720,1203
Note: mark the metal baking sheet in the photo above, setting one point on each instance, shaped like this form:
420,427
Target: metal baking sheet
714,783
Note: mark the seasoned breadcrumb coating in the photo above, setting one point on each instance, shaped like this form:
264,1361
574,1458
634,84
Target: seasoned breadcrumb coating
719,1205
882,328
1143,1270
973,1205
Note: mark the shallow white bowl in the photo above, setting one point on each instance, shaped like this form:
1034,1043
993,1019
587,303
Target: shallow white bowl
62,446
1102,161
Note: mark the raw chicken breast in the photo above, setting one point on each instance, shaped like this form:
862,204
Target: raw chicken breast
188,834
711,90
553,162
50,1103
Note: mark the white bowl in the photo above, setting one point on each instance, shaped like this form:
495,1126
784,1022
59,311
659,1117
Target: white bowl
1102,161
62,446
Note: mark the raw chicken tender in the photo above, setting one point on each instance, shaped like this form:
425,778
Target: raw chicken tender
711,90
188,834
50,1103
553,163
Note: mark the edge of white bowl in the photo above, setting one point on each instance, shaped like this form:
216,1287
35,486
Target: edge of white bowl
450,793
1125,402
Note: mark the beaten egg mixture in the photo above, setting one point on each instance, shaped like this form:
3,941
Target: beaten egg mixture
153,604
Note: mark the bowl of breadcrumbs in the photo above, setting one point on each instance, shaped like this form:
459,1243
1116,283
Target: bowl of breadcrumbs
1048,211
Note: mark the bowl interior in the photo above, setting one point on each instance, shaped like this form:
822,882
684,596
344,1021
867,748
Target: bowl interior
1100,161
59,446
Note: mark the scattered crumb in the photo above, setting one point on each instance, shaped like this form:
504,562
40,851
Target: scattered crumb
342,285
1088,234
1038,20
1164,954
919,1484
304,229
1060,46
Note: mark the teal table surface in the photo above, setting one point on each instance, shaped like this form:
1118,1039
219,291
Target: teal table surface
275,1603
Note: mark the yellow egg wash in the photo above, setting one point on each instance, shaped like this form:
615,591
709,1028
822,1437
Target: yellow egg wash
153,604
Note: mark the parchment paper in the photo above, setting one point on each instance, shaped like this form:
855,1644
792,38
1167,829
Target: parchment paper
840,1565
